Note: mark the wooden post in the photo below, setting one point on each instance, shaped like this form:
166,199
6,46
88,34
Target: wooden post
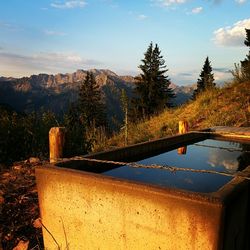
183,127
56,143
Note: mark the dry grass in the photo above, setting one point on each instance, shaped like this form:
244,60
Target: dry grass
229,106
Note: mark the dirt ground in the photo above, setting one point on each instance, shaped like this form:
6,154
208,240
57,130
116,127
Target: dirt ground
19,207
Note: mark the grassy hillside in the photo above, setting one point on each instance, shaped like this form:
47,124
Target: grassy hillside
228,106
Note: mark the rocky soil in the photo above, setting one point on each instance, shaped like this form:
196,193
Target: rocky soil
19,209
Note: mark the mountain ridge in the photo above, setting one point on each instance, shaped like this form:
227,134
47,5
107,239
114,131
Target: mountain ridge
80,74
56,92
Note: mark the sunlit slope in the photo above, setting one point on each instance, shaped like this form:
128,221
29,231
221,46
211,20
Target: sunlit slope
228,106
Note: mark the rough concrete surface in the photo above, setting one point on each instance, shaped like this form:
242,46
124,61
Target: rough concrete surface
89,211
84,210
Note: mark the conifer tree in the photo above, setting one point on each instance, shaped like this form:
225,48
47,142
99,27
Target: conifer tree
90,105
206,79
152,86
245,65
247,41
76,141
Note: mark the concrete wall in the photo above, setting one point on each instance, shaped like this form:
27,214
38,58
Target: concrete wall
243,132
90,211
235,197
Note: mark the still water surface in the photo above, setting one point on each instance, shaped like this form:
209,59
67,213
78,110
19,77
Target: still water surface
208,154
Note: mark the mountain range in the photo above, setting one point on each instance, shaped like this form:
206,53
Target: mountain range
56,92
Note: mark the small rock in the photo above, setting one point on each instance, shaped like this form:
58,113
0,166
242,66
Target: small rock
34,160
1,199
22,245
6,174
17,167
1,208
37,223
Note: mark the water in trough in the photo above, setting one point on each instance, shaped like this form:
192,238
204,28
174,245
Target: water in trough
225,156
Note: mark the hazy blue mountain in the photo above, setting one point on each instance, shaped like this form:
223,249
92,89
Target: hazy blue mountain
183,93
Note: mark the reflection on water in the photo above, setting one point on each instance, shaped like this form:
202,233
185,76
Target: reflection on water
182,150
244,158
219,156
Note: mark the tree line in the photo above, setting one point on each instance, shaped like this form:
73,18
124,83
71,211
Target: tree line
23,135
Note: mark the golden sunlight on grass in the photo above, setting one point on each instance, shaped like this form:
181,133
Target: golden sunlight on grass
229,106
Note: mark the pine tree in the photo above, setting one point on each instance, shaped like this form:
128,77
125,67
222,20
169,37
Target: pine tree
90,105
85,118
152,86
76,141
245,65
247,41
206,79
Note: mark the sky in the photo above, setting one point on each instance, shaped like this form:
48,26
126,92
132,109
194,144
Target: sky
61,36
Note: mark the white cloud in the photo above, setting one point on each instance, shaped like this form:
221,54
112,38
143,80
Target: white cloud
240,1
68,4
142,17
197,10
221,77
225,159
170,2
61,58
18,65
54,33
232,35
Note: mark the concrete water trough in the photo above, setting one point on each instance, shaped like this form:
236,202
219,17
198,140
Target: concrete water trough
90,205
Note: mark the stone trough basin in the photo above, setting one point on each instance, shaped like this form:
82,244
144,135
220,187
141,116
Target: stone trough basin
89,205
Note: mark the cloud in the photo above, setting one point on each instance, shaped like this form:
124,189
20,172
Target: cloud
184,77
19,65
197,10
215,1
222,70
54,33
232,35
225,159
221,77
185,74
8,26
58,57
240,1
142,17
170,2
68,4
